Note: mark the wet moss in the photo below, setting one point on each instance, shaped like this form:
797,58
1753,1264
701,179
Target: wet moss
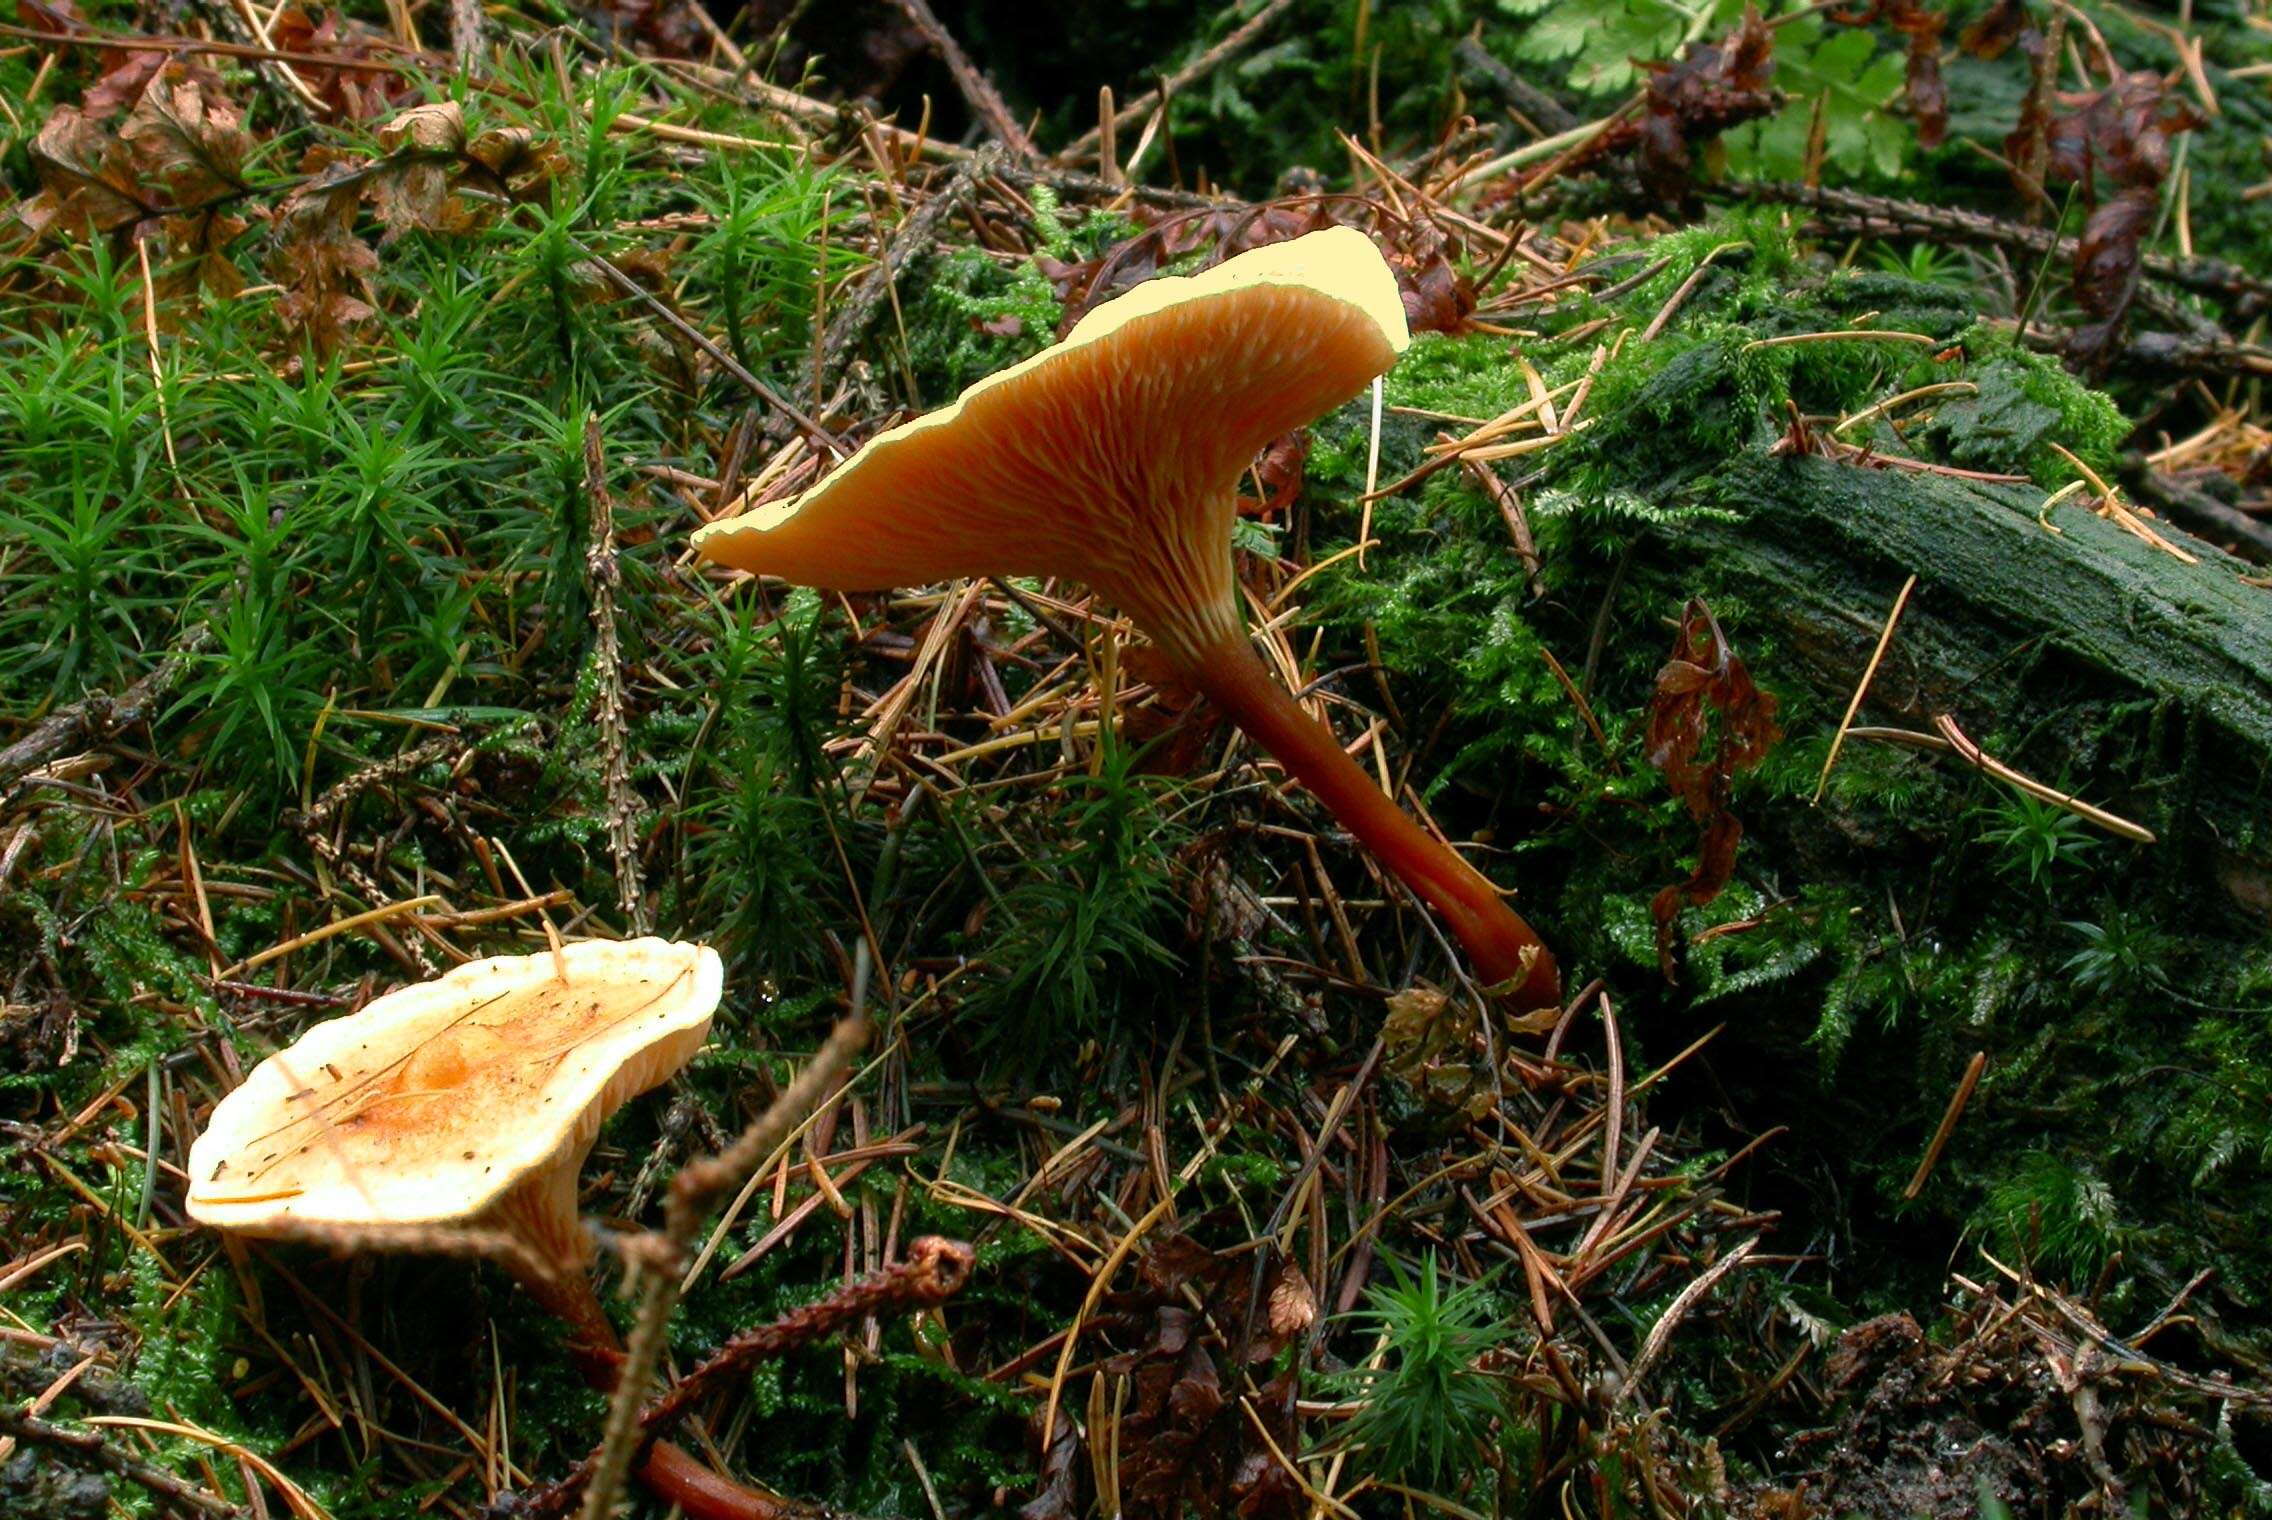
1871,943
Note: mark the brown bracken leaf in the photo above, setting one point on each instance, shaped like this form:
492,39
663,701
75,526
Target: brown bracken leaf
324,267
2120,134
188,139
87,180
1704,679
1689,103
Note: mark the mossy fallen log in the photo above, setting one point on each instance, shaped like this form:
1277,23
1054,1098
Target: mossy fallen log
1922,910
2016,612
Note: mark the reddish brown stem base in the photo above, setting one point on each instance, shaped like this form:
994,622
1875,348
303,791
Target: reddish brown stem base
1503,947
673,1474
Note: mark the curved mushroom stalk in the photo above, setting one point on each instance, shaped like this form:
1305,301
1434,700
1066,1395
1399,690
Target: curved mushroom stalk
1112,459
671,1472
1506,950
456,1114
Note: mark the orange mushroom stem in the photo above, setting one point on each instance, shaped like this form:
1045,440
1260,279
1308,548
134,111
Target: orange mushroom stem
670,1472
1114,459
456,1114
1504,947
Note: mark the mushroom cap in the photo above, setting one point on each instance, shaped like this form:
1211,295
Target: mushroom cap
1110,458
433,1102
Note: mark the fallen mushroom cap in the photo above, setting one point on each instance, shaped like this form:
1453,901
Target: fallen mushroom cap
473,1097
1111,458
467,1104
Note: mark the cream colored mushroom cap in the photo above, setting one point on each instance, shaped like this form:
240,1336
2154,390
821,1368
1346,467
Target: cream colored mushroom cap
430,1104
1108,457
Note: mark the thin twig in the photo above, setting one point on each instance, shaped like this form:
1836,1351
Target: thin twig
98,717
93,1447
934,1271
694,1192
1888,216
1199,68
602,575
975,86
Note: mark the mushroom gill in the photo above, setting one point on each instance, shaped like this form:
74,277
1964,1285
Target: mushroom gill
1113,459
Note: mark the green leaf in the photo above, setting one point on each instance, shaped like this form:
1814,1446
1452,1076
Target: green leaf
1855,81
1601,38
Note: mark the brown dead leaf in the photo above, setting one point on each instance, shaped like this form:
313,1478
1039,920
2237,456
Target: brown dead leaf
1278,469
425,148
126,74
1293,1307
521,165
437,126
668,27
174,171
1173,730
433,180
2120,134
1991,34
87,179
1437,297
1186,1446
1688,103
1261,1485
53,18
1703,692
198,259
187,138
358,94
1060,1487
1430,1042
324,267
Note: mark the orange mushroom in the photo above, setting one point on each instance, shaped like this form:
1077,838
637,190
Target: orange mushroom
455,1114
1113,459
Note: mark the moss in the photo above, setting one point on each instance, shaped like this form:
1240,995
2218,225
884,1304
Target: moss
975,315
2025,404
1871,944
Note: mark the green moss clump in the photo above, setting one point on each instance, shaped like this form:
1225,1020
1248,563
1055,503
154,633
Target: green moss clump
2026,403
976,315
1918,913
